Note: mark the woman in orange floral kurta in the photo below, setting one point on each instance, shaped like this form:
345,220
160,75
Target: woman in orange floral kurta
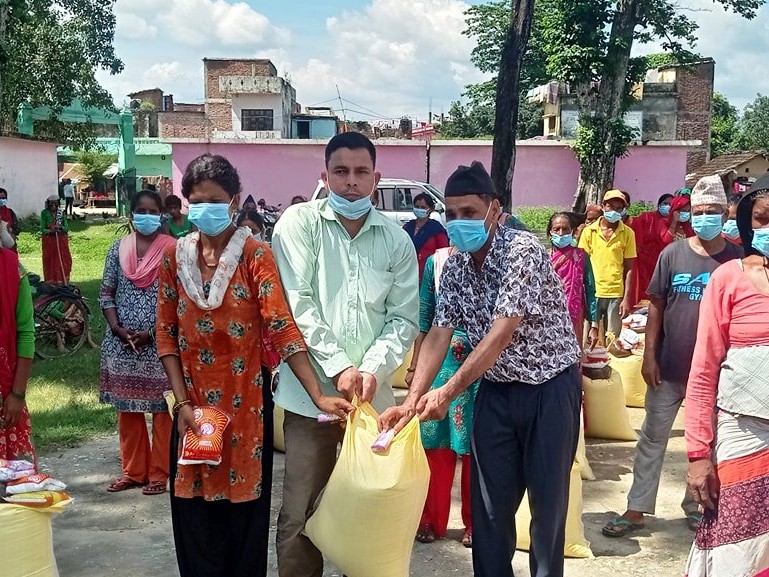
218,288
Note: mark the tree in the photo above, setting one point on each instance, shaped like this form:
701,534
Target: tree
49,54
725,126
94,163
588,45
754,127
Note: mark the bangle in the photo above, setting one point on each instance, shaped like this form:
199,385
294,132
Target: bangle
115,328
178,406
20,396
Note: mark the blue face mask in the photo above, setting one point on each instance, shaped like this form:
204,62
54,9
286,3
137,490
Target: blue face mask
468,235
707,226
730,230
211,218
684,216
350,209
664,210
612,216
761,240
146,224
561,240
3,202
421,212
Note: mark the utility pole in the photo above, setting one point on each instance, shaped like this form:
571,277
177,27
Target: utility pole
344,112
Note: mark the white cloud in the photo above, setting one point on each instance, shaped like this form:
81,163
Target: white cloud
134,27
392,55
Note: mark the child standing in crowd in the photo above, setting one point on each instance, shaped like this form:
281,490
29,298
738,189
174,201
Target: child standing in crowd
179,224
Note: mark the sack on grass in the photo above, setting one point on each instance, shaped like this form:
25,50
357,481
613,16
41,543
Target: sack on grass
629,369
605,411
278,439
205,449
26,543
575,546
370,511
399,377
585,471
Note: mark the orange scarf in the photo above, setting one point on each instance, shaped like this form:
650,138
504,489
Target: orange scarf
143,274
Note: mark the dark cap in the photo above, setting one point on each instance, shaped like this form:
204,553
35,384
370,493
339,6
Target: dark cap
468,180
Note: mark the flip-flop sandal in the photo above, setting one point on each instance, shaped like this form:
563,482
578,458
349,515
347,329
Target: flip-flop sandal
154,488
467,539
620,527
425,533
123,484
694,520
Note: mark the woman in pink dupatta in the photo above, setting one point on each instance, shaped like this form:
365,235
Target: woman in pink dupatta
131,376
573,266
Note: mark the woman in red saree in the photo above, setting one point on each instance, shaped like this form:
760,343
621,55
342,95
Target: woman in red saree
17,347
57,261
648,245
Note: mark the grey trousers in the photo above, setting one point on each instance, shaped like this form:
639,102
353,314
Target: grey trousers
311,450
662,406
608,312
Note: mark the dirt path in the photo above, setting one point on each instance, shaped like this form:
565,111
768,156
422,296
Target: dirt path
129,535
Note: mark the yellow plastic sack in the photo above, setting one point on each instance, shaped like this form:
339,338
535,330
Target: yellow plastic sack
633,383
399,376
605,411
279,441
585,471
26,542
575,546
370,511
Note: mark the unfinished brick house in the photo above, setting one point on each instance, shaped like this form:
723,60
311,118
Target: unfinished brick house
244,98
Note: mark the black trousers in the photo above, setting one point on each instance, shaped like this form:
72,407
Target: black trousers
524,438
221,538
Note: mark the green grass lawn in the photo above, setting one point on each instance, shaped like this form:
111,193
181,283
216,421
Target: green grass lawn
63,395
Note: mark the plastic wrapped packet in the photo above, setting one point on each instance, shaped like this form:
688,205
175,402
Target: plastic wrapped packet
205,449
34,483
12,470
39,499
328,418
382,442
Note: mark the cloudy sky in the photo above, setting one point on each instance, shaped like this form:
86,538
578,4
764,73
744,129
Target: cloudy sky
388,57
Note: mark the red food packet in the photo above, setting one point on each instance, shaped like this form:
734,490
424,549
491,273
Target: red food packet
205,449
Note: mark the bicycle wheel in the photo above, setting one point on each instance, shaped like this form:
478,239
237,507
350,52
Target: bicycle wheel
61,326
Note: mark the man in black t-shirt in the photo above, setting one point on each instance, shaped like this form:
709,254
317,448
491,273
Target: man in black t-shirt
676,289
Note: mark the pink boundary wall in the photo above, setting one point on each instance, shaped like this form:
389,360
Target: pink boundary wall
546,173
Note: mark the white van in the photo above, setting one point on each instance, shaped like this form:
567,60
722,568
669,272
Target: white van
395,198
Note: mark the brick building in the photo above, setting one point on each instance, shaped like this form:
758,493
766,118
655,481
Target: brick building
674,104
148,106
244,98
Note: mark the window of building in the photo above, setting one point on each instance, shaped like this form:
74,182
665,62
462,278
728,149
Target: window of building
256,119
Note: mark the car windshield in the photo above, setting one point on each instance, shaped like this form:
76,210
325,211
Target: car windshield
435,191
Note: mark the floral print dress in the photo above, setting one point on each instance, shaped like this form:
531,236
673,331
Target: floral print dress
454,431
221,354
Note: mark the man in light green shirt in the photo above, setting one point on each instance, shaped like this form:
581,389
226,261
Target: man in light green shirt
352,282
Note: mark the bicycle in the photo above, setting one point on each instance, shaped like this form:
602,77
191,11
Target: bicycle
62,320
